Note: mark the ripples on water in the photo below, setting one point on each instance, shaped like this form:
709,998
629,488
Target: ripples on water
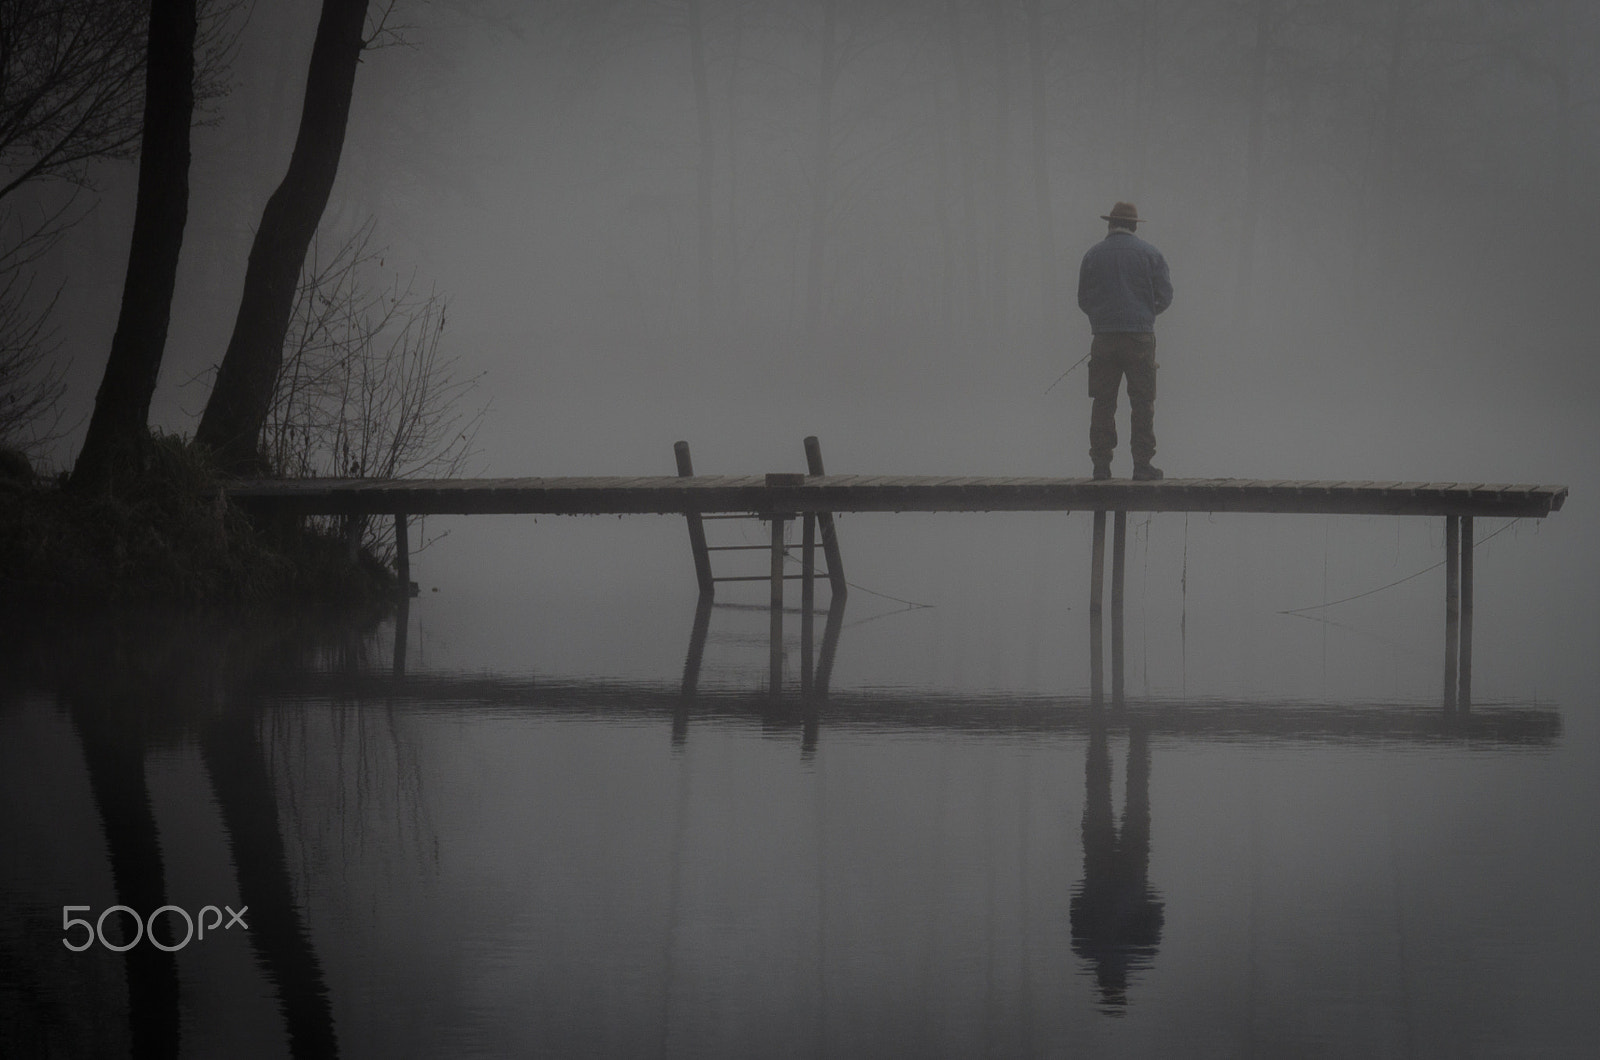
445,860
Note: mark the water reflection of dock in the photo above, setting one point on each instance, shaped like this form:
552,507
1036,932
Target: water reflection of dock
819,705
139,688
976,714
1115,913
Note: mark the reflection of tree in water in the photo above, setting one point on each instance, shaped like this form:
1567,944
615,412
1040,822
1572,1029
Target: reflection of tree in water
131,685
114,741
1116,916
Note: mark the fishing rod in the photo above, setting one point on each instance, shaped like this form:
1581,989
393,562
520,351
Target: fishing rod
1063,375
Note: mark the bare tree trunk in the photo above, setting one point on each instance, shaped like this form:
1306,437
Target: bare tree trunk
243,392
1255,138
122,405
1049,283
702,114
821,177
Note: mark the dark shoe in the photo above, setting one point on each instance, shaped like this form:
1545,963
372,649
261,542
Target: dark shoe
1102,471
1146,472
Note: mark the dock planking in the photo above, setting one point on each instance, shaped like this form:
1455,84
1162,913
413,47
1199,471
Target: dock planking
711,494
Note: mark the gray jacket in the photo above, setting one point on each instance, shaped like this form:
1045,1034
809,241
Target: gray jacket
1122,284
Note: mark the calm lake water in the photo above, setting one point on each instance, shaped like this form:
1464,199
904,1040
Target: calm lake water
572,819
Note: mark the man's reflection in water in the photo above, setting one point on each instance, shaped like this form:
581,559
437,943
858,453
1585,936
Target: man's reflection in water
1116,916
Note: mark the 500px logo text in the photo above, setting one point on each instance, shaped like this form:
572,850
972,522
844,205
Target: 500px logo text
145,926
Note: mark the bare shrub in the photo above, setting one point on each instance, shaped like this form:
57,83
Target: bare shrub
367,388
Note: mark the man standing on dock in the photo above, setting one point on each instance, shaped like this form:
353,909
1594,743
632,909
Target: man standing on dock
1123,284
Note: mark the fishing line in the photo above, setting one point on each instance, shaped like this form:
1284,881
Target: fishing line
1391,585
911,605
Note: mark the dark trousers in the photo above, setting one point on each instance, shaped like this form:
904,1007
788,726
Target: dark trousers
1111,356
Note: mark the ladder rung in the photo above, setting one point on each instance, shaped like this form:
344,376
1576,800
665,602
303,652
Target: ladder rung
737,548
758,578
767,607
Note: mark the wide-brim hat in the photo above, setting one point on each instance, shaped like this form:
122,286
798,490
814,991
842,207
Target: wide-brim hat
1122,211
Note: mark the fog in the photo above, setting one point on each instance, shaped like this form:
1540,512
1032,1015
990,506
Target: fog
1370,210
1383,257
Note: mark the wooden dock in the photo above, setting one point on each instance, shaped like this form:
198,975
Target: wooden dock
711,494
814,498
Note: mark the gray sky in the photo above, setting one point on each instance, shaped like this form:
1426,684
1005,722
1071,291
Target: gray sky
1392,283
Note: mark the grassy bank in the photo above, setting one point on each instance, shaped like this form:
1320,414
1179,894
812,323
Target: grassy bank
170,537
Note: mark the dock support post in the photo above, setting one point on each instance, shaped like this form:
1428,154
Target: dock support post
776,630
1119,550
808,597
402,555
1097,583
830,647
1464,687
402,573
1452,607
354,527
697,528
402,630
1097,563
830,540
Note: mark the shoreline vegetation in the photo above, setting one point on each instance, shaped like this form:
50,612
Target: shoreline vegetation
167,537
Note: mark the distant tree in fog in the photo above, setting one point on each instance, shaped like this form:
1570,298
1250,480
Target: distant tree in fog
1039,167
821,163
704,228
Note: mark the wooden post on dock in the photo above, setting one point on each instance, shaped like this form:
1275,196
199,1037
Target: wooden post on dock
697,528
1119,550
830,540
1464,685
1452,606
